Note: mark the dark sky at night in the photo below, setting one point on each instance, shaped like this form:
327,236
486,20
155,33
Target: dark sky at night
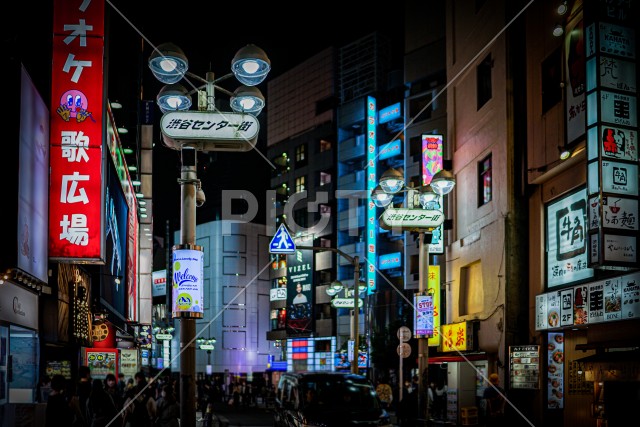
209,38
210,33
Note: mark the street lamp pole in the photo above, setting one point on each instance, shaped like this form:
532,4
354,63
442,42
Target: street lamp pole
355,261
391,183
423,341
170,65
188,186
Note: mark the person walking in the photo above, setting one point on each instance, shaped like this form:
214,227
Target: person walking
140,406
58,411
408,406
385,394
101,408
494,397
111,387
440,401
167,408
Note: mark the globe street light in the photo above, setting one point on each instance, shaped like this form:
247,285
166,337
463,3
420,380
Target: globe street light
392,182
204,130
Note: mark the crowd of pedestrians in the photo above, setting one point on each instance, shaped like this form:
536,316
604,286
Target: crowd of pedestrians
93,402
235,394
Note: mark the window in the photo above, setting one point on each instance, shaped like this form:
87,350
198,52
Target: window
325,178
471,289
301,155
484,181
421,108
551,79
483,74
325,145
300,218
300,184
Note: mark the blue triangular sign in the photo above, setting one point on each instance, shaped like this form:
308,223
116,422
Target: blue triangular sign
282,243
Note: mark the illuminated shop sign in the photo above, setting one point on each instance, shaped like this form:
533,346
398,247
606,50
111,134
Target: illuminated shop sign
390,149
393,260
603,301
76,129
567,240
389,113
372,228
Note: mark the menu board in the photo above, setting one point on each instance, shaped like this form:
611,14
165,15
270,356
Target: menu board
604,301
524,362
59,367
555,368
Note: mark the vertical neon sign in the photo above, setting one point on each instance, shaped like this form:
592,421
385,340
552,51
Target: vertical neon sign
371,184
431,165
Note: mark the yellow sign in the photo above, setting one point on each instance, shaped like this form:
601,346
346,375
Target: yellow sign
456,337
433,288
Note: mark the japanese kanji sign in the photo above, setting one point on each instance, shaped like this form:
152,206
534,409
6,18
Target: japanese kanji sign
411,219
210,131
75,196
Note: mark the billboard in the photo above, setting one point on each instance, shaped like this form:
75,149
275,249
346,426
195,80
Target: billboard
300,293
113,277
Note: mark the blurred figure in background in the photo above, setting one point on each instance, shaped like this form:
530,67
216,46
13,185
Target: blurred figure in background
58,412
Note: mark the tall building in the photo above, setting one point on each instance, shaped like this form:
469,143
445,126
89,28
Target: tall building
236,303
301,141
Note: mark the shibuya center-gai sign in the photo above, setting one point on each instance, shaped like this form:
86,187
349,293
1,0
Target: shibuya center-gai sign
409,219
210,131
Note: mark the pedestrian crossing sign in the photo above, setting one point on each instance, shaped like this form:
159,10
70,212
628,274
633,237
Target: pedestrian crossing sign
282,243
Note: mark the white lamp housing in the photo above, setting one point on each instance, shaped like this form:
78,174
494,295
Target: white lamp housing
380,197
427,195
443,182
392,181
250,65
173,97
247,99
168,63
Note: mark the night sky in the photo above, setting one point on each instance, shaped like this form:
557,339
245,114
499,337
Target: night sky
208,34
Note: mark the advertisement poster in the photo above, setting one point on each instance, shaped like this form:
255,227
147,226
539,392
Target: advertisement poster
101,362
59,367
423,320
300,293
555,367
187,287
524,363
128,362
113,278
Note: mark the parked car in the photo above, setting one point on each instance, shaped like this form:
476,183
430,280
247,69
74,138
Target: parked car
327,399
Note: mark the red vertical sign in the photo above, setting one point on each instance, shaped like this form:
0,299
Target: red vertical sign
75,197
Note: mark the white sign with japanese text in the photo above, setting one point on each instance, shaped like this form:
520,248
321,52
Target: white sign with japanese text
567,240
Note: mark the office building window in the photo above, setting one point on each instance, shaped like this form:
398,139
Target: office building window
300,218
325,178
301,155
483,74
325,145
484,181
300,184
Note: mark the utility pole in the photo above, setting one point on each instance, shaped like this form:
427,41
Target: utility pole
423,341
